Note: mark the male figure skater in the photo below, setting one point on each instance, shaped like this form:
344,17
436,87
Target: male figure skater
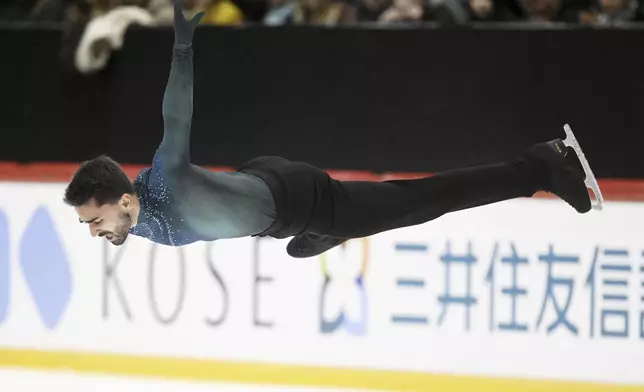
176,203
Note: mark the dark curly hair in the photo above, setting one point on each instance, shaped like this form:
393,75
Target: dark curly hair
101,179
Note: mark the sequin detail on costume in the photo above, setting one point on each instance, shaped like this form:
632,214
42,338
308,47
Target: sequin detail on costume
158,220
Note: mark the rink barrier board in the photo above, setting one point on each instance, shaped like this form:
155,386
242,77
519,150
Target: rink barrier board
282,374
613,189
285,375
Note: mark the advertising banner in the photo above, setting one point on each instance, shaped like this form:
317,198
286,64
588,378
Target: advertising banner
525,289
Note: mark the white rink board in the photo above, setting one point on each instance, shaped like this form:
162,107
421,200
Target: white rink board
248,300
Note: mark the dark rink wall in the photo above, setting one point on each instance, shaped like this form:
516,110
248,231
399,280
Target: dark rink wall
385,100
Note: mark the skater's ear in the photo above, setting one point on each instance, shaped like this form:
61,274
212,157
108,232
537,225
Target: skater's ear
126,201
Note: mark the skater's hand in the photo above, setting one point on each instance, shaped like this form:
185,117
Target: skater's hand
184,30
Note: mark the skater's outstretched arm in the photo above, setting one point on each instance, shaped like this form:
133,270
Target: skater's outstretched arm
177,99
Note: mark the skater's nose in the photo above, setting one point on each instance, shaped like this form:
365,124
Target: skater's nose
93,229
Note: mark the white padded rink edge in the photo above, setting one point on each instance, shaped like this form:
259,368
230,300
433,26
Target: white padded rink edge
591,181
19,380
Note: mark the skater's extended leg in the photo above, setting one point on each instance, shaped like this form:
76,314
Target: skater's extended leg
360,209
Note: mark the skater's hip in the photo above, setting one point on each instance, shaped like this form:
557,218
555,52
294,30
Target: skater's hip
298,191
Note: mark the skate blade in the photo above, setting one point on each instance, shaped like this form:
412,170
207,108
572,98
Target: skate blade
591,181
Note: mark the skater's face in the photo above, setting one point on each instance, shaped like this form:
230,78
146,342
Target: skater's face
112,221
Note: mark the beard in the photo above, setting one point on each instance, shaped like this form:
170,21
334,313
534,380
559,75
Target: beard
122,230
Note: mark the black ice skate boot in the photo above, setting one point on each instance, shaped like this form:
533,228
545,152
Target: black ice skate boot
309,245
566,172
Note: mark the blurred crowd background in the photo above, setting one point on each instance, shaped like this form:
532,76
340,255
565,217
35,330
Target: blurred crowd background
93,29
335,12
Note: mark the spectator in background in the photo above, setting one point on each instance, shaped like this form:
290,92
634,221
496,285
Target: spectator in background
218,12
223,12
460,12
83,11
403,11
549,11
323,12
612,12
32,10
279,12
372,10
488,11
102,25
481,10
311,12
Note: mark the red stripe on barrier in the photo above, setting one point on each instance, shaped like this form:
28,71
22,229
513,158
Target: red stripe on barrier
612,189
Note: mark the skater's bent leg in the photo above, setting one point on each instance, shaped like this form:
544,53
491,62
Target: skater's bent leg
362,209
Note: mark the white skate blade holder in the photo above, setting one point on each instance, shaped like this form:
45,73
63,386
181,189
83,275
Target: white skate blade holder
591,181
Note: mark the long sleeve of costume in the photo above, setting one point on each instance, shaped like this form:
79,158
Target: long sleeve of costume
182,203
177,105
